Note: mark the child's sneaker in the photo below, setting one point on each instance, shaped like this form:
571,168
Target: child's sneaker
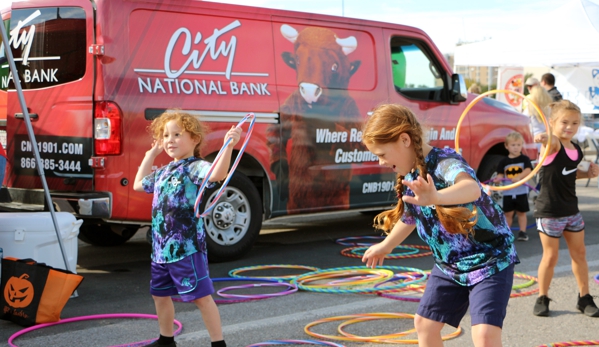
522,236
587,306
541,308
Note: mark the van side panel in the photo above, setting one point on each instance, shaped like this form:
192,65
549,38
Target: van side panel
328,81
217,67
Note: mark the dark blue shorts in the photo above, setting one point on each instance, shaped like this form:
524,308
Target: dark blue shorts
187,277
446,301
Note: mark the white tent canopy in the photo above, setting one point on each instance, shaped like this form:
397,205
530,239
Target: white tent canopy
565,37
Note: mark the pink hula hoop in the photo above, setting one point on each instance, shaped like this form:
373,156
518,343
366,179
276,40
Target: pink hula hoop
93,317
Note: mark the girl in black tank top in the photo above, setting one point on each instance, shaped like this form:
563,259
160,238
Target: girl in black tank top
556,208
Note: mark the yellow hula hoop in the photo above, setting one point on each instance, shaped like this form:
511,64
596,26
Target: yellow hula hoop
543,155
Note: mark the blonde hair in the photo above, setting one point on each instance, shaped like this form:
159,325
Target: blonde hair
542,99
474,88
187,122
385,125
563,105
513,136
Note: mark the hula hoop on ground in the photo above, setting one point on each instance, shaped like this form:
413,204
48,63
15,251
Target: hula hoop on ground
596,278
344,240
205,181
573,343
355,318
374,276
456,333
231,301
295,342
525,293
543,156
358,252
235,272
392,294
94,317
299,281
291,288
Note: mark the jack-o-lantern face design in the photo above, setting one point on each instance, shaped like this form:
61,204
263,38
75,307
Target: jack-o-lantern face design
18,291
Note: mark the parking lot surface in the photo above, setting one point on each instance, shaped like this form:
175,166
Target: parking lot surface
117,278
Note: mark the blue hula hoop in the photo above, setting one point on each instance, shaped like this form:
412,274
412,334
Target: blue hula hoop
205,181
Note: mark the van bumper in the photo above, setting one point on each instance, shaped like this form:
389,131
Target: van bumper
83,205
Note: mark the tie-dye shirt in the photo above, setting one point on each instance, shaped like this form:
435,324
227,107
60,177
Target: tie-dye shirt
176,231
467,259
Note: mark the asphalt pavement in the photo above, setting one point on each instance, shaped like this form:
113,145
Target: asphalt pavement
116,282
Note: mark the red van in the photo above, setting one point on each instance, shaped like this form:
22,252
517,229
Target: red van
95,73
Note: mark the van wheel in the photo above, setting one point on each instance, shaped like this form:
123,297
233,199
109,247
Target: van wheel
105,235
235,221
488,167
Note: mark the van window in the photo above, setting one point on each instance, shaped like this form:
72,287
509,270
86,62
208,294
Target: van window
415,75
49,49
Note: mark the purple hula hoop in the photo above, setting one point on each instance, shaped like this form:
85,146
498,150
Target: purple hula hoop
93,317
233,301
295,342
205,181
597,278
291,288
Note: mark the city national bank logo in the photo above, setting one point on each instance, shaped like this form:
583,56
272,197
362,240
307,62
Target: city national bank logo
194,52
24,41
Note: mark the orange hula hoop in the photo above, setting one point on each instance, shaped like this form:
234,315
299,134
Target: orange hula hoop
545,122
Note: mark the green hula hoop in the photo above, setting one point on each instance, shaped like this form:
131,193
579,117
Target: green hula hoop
299,280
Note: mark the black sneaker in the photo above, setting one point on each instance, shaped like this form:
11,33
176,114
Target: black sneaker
522,236
541,308
587,306
155,344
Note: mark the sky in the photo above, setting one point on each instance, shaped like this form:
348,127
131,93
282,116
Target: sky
445,21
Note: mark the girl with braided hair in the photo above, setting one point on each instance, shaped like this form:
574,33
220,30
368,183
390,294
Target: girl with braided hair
440,196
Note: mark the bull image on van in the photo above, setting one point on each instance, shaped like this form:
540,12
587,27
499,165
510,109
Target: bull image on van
319,108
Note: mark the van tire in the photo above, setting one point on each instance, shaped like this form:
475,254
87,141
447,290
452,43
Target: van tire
241,198
488,167
103,235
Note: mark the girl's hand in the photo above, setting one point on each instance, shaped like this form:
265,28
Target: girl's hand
593,170
375,255
541,138
234,134
156,149
425,193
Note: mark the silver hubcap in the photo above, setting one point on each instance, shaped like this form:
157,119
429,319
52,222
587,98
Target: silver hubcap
230,219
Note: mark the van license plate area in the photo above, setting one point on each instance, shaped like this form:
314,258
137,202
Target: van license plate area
61,156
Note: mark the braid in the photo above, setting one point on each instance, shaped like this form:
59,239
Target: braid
386,124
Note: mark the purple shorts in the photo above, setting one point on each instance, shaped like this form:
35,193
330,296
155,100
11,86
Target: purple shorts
555,227
446,301
187,277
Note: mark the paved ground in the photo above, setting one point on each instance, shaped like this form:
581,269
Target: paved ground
116,282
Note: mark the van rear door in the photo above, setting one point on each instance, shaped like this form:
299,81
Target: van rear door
50,48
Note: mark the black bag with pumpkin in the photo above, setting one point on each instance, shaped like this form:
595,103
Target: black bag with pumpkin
34,293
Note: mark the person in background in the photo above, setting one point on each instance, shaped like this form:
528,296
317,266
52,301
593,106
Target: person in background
541,98
514,167
556,208
440,196
531,83
474,88
2,164
548,83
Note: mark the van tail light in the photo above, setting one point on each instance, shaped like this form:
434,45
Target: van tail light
108,120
